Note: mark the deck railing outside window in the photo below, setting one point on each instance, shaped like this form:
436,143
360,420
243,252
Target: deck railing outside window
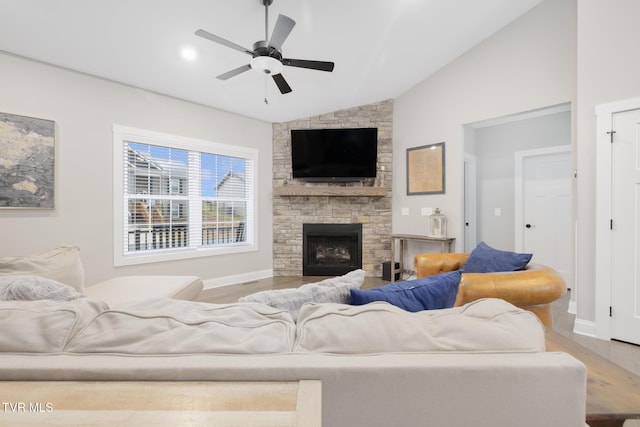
176,237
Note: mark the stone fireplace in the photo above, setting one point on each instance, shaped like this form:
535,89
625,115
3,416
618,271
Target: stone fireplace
366,203
331,249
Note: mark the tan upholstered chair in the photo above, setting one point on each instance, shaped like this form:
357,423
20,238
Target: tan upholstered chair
533,288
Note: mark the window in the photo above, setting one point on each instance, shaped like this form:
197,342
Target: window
179,198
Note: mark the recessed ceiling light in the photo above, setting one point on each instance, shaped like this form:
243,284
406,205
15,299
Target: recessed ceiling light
188,53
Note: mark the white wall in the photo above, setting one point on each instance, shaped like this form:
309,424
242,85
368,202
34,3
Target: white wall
495,152
583,51
85,109
608,69
527,65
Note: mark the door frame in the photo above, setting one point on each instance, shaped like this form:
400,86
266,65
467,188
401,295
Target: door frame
604,121
518,217
470,207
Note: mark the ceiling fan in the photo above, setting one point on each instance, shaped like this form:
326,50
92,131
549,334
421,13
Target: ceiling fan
267,54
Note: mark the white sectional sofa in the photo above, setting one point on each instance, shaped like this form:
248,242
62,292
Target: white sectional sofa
482,364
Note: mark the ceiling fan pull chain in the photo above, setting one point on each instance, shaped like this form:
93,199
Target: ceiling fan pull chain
266,88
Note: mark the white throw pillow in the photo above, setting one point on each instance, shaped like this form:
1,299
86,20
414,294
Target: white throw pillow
32,288
333,290
62,264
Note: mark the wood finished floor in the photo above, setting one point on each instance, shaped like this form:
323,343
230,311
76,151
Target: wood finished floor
625,355
620,353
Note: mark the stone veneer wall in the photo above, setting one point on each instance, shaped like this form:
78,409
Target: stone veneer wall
374,213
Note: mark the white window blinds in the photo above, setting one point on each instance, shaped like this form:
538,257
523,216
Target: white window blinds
178,198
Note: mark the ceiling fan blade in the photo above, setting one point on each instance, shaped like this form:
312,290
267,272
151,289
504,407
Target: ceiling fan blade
313,65
234,72
281,83
281,31
207,35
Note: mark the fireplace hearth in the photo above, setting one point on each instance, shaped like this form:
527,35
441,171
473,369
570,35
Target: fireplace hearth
331,249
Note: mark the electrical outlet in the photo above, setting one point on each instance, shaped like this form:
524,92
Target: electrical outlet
497,212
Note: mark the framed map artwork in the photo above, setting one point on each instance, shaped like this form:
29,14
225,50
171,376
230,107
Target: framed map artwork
27,151
425,169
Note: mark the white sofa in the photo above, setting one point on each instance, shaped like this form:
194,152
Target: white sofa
482,364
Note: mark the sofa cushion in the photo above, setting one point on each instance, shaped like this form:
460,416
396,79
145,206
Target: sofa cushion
168,326
30,288
335,289
486,325
427,293
127,289
485,259
43,326
62,264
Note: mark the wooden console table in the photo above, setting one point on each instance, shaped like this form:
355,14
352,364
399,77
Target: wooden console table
613,393
446,245
106,403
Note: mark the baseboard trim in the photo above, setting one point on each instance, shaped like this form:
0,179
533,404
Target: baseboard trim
584,327
237,279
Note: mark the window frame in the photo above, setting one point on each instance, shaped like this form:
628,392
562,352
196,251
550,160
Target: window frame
120,214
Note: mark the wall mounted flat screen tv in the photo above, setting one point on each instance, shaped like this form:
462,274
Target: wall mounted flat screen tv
334,154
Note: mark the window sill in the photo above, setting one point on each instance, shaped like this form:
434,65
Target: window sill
149,257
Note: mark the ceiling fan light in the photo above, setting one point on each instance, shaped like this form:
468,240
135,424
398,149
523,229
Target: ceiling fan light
266,65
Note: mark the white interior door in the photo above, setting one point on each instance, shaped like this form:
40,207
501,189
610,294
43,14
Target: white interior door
546,213
625,227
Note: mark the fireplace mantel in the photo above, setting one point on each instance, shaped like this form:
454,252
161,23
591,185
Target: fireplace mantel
301,190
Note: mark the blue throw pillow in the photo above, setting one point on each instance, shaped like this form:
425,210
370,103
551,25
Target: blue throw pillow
428,293
485,259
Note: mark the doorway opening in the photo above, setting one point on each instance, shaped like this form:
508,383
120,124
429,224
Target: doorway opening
493,144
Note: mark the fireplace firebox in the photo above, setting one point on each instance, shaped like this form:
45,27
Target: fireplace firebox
331,249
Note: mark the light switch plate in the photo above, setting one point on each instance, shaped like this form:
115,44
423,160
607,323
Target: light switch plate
405,211
497,212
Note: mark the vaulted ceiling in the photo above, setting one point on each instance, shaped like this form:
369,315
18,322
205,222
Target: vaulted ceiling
381,48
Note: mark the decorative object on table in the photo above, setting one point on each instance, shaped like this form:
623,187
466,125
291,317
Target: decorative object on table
27,147
437,224
425,169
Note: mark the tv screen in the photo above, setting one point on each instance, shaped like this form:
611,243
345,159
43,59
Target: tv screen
334,154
